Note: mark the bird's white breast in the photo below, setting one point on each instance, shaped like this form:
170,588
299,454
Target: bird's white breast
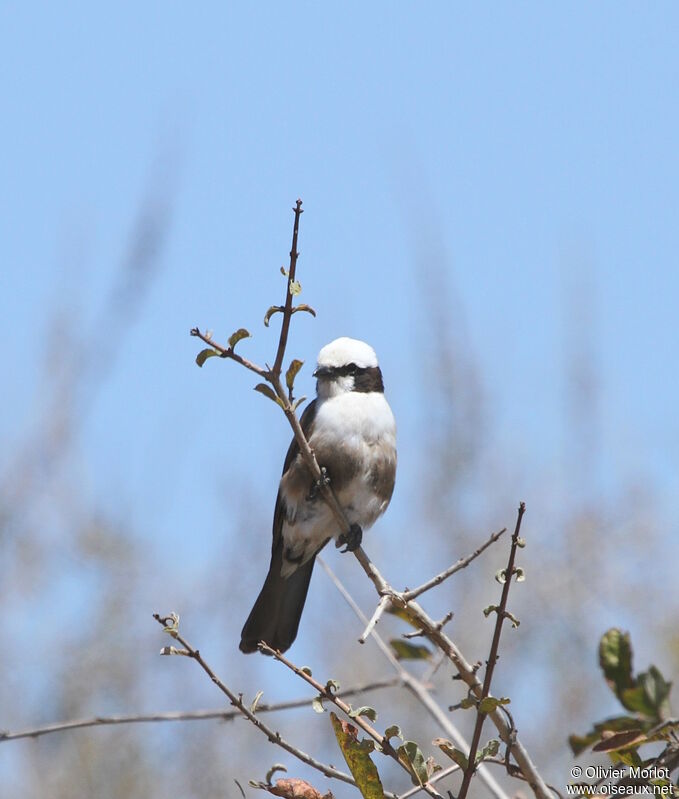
356,418
358,426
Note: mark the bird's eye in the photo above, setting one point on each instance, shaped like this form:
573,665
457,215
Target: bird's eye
353,368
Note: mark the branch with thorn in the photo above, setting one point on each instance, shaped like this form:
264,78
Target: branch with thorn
170,625
404,600
326,692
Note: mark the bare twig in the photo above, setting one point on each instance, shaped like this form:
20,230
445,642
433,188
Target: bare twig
382,605
227,352
274,737
175,715
326,692
416,686
456,567
492,658
287,310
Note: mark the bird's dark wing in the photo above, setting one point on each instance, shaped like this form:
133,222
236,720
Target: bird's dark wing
278,609
306,423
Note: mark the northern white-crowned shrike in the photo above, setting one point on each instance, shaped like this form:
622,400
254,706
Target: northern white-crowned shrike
352,432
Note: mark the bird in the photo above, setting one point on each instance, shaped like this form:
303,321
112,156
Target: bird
352,432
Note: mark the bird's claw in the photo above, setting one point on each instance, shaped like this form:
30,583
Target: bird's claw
352,539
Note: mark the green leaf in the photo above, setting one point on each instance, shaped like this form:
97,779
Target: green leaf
274,309
291,374
491,703
368,712
501,576
449,749
467,702
393,732
317,704
402,613
268,392
635,699
255,701
411,755
615,659
306,670
357,756
489,750
657,690
295,287
332,686
520,574
203,355
304,307
406,651
490,609
240,334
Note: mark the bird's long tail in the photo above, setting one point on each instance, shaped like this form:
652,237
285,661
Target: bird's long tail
278,609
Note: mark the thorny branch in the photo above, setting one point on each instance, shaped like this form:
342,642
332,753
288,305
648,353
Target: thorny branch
418,688
501,611
170,624
326,692
416,615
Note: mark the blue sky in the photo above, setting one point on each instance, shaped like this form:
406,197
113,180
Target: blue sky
522,148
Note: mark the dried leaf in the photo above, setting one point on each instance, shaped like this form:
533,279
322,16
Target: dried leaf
620,740
294,789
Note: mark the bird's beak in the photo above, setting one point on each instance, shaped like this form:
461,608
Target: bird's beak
322,371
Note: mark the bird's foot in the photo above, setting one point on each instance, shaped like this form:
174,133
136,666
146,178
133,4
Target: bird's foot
317,485
352,539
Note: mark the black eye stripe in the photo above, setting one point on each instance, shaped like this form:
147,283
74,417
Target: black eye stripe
347,369
366,378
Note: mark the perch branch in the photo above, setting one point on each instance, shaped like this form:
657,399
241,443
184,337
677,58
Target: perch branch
416,686
417,616
325,691
273,736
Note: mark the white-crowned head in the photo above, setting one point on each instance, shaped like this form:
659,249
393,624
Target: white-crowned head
347,364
